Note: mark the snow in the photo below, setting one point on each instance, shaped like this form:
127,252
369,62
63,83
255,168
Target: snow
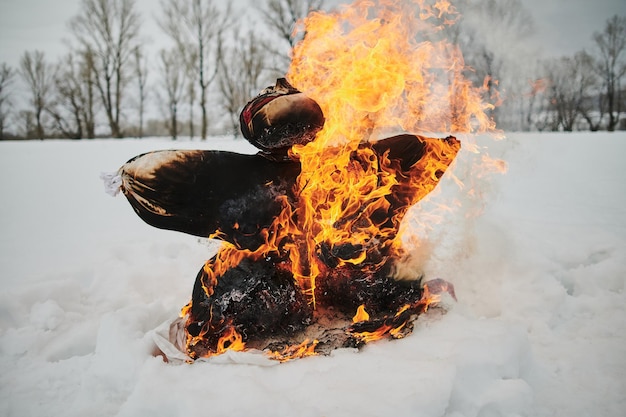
538,330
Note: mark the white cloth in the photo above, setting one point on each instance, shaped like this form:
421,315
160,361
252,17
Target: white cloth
112,182
170,337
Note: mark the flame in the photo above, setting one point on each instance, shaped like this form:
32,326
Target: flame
361,314
229,256
429,299
184,312
380,333
375,68
394,326
230,340
306,348
391,327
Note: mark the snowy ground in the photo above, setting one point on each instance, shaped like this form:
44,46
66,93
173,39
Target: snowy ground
539,329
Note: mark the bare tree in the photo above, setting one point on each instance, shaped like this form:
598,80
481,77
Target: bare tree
529,87
571,82
197,25
141,75
592,106
37,74
27,127
173,74
6,79
69,98
240,77
87,75
281,17
191,63
73,106
110,29
530,101
611,64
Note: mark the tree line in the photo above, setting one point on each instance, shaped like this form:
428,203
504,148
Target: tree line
104,83
107,80
586,90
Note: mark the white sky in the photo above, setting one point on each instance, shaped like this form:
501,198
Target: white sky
563,26
566,26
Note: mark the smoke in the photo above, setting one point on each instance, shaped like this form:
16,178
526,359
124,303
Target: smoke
440,232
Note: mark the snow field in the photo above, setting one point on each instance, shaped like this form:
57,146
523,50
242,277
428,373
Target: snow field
538,329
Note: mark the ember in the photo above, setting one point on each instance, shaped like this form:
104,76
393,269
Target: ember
311,223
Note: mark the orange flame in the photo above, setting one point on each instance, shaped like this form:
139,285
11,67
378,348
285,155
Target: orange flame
380,333
230,340
306,348
375,68
394,326
361,314
429,299
372,75
185,310
391,71
389,328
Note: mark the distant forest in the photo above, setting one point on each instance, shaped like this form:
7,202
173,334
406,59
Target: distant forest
109,85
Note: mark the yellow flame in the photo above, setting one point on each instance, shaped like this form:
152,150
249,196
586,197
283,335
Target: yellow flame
361,314
230,340
375,68
304,349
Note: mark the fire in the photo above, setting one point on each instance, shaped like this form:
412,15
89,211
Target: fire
433,291
361,315
391,327
391,71
380,333
371,75
230,340
374,68
394,326
304,349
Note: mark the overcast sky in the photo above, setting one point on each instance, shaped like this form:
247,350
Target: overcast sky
563,26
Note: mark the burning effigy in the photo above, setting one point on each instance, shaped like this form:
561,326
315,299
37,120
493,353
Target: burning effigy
311,224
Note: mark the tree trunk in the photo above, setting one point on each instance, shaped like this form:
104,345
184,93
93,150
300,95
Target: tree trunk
174,122
612,119
89,116
191,129
140,118
118,98
40,132
78,121
108,107
204,114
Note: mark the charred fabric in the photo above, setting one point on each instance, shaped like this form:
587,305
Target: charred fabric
255,301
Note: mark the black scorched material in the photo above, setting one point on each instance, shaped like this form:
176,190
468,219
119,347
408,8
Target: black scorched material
237,198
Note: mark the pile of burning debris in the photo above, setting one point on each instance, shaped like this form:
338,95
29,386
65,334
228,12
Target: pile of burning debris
275,285
311,224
